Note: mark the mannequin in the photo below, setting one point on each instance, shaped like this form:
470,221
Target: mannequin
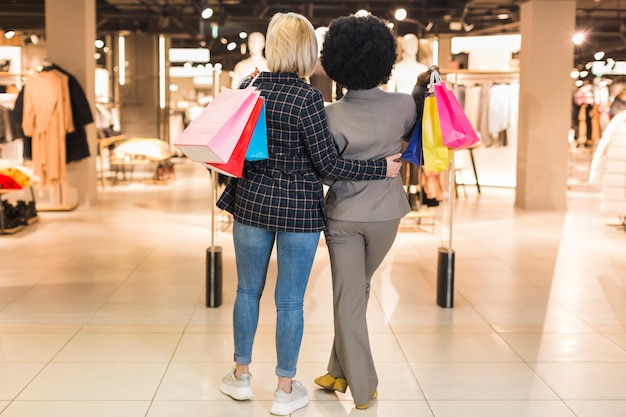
408,68
256,43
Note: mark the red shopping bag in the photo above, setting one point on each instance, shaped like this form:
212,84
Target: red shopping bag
457,131
234,166
214,134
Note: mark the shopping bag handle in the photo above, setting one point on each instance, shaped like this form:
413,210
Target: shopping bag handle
435,78
247,77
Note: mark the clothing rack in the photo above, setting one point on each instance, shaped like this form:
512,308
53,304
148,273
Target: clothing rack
464,77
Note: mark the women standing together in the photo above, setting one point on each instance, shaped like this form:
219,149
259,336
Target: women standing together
280,201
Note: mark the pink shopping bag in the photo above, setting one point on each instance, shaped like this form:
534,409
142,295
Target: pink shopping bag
213,135
235,164
457,131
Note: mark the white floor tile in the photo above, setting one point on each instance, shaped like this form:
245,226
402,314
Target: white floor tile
31,347
15,376
119,347
76,408
456,347
598,408
586,380
481,381
501,408
565,347
95,381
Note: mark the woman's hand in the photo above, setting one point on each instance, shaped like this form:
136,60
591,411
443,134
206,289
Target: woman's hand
424,78
255,72
394,163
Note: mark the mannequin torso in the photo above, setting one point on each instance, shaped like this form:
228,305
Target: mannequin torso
256,43
405,72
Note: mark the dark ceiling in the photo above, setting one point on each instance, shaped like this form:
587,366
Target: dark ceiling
181,18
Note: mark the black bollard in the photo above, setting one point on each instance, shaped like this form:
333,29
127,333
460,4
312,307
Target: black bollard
214,276
445,278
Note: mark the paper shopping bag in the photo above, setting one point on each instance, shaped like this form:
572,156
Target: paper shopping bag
456,129
437,156
413,152
257,150
213,135
234,166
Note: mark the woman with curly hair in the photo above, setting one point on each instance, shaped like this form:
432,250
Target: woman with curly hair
362,216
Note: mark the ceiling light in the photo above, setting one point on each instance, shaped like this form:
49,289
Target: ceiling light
429,26
9,34
362,13
468,26
400,14
578,38
598,55
455,25
207,13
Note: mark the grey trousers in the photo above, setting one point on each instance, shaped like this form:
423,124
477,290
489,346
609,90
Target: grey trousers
356,250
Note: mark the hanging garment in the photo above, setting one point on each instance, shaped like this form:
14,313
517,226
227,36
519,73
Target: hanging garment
47,119
76,145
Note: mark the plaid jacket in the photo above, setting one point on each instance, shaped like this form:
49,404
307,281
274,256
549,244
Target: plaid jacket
284,192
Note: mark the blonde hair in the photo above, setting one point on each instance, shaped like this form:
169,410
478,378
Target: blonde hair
291,44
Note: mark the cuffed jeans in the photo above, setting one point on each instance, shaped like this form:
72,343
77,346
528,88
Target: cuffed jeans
295,254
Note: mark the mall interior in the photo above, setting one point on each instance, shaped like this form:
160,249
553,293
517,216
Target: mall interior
110,304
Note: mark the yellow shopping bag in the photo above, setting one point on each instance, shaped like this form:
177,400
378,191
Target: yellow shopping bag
437,156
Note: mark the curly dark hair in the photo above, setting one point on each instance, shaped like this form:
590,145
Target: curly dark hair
358,52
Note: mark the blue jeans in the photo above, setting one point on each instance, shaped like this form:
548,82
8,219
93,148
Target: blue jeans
295,253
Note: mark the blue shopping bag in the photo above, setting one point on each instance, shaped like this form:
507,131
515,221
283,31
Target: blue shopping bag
257,150
414,151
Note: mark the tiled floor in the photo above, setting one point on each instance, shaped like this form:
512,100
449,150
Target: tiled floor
102,314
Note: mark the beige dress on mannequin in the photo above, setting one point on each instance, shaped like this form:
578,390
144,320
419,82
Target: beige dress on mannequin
256,43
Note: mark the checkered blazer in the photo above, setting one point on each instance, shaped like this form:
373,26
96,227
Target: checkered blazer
284,192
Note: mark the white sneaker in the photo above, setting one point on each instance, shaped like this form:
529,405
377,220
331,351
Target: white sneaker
285,404
237,388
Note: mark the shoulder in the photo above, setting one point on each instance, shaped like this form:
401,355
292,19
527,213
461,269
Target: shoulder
401,99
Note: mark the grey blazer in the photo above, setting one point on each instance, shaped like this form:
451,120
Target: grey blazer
369,124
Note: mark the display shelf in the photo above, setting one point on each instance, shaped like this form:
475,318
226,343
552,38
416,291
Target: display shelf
12,230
